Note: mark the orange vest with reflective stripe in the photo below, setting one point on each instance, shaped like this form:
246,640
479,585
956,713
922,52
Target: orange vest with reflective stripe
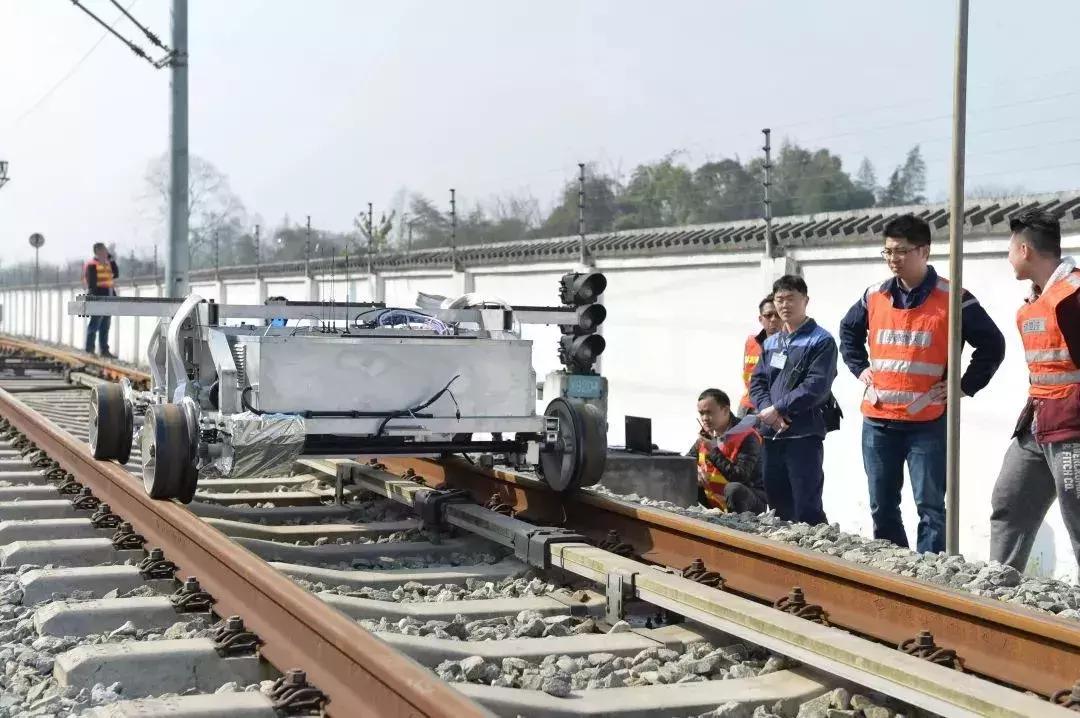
751,355
104,273
908,352
1052,373
715,481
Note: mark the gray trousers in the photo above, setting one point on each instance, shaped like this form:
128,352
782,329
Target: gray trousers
1032,476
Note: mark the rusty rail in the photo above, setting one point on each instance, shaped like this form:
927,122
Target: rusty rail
1010,644
76,359
361,675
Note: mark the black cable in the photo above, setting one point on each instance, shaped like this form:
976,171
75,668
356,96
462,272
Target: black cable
132,46
150,36
385,415
412,411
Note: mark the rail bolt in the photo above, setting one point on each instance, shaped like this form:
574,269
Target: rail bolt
292,693
613,542
104,518
155,565
85,500
795,604
191,598
1068,697
232,638
923,646
126,538
696,572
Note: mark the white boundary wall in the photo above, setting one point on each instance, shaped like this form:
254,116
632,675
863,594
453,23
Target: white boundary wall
676,325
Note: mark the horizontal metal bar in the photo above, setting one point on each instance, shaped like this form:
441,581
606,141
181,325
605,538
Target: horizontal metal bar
323,311
156,307
905,677
408,426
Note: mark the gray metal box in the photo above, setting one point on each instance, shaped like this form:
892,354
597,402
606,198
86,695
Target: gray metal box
388,373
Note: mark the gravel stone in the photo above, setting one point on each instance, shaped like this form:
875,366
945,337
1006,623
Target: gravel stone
741,670
981,578
557,686
599,659
840,698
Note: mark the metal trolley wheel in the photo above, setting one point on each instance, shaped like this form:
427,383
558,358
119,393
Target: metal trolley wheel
578,458
168,469
111,423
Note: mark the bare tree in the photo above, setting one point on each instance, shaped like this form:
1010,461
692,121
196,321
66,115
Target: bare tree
216,215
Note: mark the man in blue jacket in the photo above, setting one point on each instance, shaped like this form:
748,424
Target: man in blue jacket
790,386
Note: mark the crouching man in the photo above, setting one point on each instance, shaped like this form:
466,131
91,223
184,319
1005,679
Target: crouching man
728,454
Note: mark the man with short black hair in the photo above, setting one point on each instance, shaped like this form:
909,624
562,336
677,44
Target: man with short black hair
728,453
1043,461
905,322
791,385
99,277
770,324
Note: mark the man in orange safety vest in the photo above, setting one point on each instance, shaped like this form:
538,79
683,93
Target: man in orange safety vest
1043,461
770,324
904,322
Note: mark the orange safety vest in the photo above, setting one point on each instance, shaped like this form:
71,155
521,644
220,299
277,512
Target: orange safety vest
715,481
1052,372
909,349
751,356
104,273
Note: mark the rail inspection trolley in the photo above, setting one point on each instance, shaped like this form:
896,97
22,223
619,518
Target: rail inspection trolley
344,379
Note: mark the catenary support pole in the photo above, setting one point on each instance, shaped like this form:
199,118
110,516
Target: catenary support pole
956,275
177,259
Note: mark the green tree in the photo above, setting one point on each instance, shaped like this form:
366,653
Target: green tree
866,177
907,183
661,194
809,182
601,206
725,191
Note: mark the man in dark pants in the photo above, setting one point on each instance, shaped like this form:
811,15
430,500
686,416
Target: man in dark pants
790,386
905,323
1043,460
99,276
728,453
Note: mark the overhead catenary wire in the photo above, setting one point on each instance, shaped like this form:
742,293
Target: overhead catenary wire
70,73
112,31
146,31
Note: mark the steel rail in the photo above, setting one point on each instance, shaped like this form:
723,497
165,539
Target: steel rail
1011,644
108,369
360,674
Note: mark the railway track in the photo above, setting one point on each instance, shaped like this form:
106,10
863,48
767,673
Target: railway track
513,615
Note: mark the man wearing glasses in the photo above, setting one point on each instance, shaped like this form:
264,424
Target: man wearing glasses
905,323
770,324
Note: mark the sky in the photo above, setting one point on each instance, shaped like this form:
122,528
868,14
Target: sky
318,107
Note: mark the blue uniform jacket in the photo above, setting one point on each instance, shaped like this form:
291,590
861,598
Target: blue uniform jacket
802,386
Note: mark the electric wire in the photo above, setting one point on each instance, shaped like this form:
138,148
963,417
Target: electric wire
68,75
146,31
109,28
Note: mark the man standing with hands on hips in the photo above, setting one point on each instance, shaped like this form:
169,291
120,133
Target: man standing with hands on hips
1043,461
791,385
905,322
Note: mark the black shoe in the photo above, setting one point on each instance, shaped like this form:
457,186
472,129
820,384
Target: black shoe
106,354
